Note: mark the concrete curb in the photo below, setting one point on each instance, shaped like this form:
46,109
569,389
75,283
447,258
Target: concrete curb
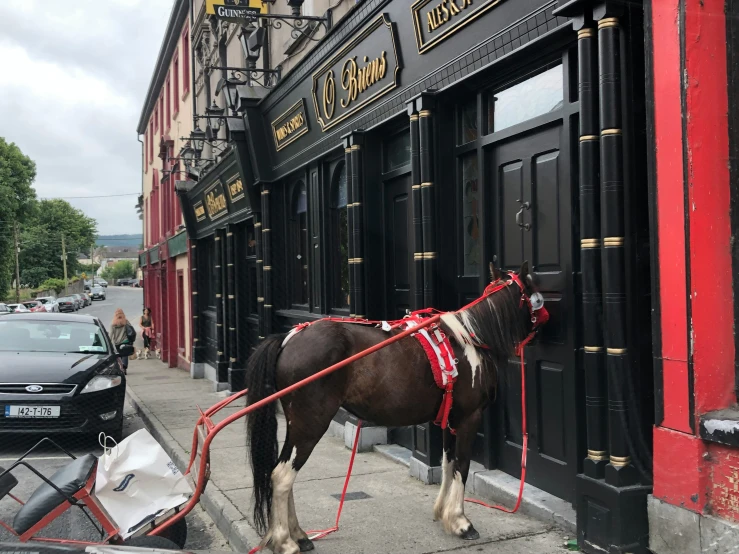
234,527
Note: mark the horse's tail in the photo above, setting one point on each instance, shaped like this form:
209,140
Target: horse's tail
262,425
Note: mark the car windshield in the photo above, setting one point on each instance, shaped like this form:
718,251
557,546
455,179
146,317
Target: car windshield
50,336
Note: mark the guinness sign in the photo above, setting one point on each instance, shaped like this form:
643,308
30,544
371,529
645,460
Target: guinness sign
436,20
361,72
240,11
235,188
290,126
215,201
199,211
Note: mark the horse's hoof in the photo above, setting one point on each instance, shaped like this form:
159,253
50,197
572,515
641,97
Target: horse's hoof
470,534
306,545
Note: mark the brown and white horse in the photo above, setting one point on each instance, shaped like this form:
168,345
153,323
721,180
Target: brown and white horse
393,386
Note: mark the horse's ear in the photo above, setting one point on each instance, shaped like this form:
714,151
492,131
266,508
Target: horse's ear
494,273
524,271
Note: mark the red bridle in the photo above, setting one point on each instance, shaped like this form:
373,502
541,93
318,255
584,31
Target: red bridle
539,316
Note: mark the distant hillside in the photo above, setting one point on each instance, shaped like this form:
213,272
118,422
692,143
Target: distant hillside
133,241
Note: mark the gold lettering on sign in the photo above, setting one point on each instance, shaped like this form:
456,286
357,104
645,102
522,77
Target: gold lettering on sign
436,20
236,188
199,212
355,79
359,73
215,203
290,127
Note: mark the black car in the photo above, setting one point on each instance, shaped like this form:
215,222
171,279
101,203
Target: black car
60,373
67,304
98,293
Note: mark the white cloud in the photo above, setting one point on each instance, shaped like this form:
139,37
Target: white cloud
73,76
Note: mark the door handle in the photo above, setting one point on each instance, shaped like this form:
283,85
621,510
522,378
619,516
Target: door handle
519,215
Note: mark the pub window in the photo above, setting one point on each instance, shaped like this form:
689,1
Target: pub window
250,288
537,95
467,122
340,234
470,214
298,234
397,151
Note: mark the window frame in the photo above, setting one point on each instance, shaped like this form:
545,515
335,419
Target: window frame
168,94
176,83
335,167
295,267
185,59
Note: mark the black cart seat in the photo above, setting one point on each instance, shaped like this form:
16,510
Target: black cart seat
69,479
7,483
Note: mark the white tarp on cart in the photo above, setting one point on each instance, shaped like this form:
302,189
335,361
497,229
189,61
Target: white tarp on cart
136,481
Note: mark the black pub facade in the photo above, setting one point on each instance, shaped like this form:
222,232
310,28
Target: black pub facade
415,144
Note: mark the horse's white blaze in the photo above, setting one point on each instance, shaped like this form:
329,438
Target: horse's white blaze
461,332
446,479
453,516
278,535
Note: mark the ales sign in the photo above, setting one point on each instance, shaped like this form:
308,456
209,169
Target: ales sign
361,72
436,20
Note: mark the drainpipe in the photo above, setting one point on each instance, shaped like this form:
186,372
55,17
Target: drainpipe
143,219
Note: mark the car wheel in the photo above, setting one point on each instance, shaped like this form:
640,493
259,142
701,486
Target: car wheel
176,533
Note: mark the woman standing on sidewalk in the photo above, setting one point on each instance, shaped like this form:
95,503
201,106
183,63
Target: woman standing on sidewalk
146,323
120,333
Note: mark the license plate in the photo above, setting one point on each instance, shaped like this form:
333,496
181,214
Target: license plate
32,411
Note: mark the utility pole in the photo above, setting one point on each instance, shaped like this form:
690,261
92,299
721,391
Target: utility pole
17,266
92,259
64,262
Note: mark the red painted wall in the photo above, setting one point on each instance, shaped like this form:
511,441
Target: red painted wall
693,189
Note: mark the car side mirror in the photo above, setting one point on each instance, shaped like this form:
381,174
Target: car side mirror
125,350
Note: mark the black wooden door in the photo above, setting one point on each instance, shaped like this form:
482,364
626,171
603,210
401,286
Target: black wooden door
398,260
398,257
532,221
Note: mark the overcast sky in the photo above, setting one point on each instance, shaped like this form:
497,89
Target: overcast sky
73,75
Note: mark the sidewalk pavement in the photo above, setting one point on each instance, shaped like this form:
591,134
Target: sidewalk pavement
389,511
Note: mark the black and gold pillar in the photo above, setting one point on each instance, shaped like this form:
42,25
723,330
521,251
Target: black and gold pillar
590,257
418,300
425,105
356,231
221,359
350,224
619,471
197,346
235,371
267,308
260,278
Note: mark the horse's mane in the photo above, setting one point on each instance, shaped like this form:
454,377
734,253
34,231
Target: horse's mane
490,329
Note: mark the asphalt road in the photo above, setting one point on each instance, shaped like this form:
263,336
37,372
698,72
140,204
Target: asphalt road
202,533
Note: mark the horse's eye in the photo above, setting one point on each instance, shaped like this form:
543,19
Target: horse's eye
537,301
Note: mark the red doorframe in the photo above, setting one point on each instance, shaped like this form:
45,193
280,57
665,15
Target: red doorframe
163,313
181,346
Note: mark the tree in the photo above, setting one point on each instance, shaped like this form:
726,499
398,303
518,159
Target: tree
123,269
17,172
41,238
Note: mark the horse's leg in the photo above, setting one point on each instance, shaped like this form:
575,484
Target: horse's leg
453,512
447,461
296,533
278,537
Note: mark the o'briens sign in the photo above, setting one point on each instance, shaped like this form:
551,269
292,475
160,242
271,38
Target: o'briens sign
235,9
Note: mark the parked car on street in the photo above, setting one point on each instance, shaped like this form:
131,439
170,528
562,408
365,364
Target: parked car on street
123,282
87,301
98,293
67,304
34,306
60,373
18,308
49,302
78,301
4,309
102,282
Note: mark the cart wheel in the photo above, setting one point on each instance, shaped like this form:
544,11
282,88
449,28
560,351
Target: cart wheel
151,541
176,533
